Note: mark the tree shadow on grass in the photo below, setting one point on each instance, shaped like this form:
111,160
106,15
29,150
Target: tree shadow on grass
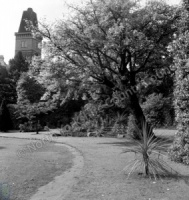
128,143
176,177
125,143
166,177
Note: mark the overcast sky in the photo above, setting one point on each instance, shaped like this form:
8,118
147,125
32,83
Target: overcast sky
11,13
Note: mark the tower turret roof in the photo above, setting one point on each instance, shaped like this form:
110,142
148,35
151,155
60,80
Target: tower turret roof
27,15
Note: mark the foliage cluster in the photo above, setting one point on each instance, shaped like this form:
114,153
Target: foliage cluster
158,110
94,120
7,96
62,115
30,127
29,104
17,66
179,151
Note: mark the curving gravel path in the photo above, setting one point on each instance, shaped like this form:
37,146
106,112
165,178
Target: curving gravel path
98,174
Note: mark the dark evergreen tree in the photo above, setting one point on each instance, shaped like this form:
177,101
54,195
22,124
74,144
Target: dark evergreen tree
18,65
7,96
5,119
7,87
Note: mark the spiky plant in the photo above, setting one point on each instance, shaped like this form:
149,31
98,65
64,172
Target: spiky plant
149,154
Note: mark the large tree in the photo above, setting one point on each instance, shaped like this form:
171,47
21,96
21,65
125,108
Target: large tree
116,44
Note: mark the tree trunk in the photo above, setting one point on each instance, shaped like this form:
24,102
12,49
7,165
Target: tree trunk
138,112
136,108
135,105
146,161
37,127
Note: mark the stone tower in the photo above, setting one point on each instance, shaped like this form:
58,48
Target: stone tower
25,42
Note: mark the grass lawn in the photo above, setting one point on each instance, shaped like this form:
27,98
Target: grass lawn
102,176
165,132
26,174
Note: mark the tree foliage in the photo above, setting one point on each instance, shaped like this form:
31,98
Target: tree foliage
29,89
159,110
18,65
7,90
29,102
5,118
7,96
44,89
180,149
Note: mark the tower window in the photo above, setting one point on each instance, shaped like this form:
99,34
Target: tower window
24,44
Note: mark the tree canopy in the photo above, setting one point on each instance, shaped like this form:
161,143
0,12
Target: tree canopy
115,45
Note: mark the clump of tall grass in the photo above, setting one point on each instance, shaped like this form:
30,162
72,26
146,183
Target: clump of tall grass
149,152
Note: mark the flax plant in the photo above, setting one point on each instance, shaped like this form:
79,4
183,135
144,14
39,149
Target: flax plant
149,152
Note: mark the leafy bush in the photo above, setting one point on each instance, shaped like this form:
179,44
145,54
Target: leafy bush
66,130
29,88
87,120
62,115
179,151
119,124
158,110
93,120
30,127
149,152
